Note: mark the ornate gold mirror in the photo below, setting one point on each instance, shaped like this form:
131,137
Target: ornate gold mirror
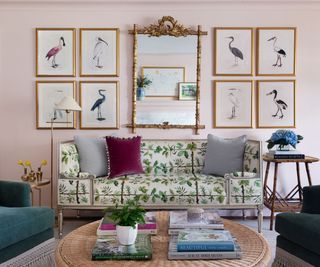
168,56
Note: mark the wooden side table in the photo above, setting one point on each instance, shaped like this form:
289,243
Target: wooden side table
37,185
272,199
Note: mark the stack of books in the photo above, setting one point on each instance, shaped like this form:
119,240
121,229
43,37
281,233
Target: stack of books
286,154
179,221
107,226
108,248
203,244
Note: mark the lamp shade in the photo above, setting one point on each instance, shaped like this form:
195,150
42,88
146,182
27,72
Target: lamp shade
68,103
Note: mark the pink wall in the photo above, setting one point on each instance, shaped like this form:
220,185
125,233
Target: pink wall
18,19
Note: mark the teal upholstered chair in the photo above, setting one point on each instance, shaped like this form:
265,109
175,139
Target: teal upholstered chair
22,227
299,241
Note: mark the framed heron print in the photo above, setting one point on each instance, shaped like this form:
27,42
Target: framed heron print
55,52
48,95
99,52
276,51
276,104
233,51
233,104
100,105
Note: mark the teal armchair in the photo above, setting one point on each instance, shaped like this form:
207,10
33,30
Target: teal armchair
299,233
22,226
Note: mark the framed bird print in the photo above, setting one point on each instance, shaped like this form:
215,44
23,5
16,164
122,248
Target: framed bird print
99,52
233,104
233,51
276,104
100,105
55,52
48,95
276,51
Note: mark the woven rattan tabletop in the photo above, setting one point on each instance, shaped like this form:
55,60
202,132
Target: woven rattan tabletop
75,248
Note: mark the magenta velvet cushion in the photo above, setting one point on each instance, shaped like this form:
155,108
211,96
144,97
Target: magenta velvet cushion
124,156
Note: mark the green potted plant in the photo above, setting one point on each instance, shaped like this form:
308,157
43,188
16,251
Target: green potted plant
142,83
127,218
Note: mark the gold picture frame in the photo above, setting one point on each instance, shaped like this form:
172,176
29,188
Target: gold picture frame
219,68
290,106
97,45
95,123
43,117
46,51
157,68
191,94
281,55
234,98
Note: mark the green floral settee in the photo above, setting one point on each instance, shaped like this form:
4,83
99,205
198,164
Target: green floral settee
172,180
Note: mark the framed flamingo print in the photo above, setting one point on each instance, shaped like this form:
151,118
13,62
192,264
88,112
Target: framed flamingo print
233,51
276,51
233,104
55,52
276,104
99,52
49,94
100,105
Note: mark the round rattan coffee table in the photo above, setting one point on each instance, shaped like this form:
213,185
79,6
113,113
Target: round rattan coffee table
75,248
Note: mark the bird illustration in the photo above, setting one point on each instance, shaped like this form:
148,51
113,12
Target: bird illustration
57,113
54,51
234,100
235,51
99,49
279,51
98,104
281,105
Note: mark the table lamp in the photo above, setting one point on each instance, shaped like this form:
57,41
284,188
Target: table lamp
67,104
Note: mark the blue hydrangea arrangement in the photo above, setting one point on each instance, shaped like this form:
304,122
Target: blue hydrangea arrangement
284,138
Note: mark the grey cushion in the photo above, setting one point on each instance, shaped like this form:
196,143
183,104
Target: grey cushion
224,155
92,155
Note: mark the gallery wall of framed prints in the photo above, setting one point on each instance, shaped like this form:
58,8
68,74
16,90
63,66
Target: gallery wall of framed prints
98,57
275,56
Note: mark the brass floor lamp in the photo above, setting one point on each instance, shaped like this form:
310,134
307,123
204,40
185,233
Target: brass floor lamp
68,104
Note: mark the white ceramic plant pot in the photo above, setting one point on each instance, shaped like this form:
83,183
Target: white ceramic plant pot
126,234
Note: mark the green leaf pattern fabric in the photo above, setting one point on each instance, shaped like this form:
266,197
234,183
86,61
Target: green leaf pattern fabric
69,160
172,177
74,192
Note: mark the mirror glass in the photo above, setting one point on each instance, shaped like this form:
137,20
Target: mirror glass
170,64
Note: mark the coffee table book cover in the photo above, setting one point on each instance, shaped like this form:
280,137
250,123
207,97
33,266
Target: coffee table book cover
174,254
108,248
205,240
179,220
107,226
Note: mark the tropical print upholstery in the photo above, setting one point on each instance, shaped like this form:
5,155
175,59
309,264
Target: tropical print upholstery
69,160
211,189
74,192
172,177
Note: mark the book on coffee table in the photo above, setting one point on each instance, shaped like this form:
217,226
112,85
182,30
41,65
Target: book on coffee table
107,226
205,240
179,220
285,154
108,248
174,254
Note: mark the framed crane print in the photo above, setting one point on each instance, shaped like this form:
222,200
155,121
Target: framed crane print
99,52
276,104
233,51
276,51
100,105
233,104
48,95
55,52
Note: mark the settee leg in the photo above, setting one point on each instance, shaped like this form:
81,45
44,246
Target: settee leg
60,222
260,218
